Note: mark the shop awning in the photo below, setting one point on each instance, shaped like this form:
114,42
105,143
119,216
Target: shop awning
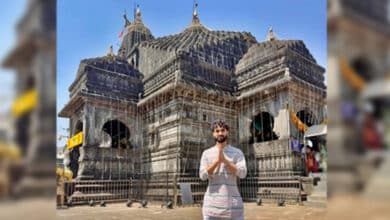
377,89
316,130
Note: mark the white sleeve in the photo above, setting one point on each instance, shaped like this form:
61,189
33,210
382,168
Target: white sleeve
241,166
203,167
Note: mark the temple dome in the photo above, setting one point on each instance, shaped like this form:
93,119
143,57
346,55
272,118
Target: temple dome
273,48
135,33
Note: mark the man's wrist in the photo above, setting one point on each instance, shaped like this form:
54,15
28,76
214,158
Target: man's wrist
211,168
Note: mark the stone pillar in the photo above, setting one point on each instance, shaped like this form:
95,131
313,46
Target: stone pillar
42,147
81,160
281,126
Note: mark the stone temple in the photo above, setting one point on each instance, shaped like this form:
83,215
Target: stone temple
145,112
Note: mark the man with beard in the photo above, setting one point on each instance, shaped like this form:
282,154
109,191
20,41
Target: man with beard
221,165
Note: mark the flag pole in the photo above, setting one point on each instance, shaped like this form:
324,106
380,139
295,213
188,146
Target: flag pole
134,10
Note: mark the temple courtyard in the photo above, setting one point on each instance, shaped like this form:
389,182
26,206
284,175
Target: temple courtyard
154,211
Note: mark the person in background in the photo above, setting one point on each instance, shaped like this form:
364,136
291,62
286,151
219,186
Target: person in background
311,164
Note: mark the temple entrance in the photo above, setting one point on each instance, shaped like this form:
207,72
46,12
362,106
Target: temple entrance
117,149
74,154
262,128
119,134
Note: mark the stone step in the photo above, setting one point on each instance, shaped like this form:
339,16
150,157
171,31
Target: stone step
320,175
79,186
79,197
317,198
315,204
319,194
278,190
86,177
90,196
320,188
86,192
274,200
321,183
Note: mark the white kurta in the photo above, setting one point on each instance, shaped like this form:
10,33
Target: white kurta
222,198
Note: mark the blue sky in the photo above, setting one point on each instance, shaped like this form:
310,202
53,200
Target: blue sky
85,29
10,14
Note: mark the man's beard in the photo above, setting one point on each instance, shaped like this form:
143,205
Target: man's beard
221,139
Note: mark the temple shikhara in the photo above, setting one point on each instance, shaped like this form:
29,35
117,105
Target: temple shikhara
142,116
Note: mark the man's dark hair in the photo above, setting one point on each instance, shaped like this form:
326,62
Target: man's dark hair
219,123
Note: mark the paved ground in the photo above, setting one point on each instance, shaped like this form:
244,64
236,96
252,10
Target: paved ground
355,207
154,212
341,207
31,209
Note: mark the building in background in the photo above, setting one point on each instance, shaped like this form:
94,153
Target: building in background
33,111
144,114
358,58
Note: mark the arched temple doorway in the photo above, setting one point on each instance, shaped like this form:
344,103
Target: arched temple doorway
118,132
262,127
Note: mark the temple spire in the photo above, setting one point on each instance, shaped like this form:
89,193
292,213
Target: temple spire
271,35
135,33
110,51
195,23
138,12
137,15
195,17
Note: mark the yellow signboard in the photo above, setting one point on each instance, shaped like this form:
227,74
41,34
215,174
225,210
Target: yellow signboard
25,103
75,141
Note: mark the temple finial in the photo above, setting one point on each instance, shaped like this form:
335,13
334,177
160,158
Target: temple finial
195,17
138,12
271,35
110,51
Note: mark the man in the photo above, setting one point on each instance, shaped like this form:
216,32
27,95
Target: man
221,165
